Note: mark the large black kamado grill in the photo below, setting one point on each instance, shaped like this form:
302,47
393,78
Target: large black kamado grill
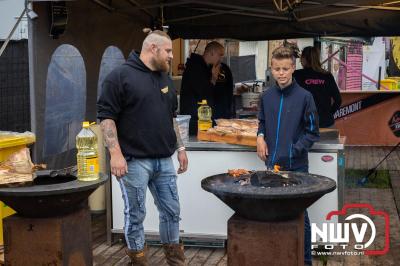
52,225
268,225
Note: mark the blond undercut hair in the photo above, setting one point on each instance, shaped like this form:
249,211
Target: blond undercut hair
156,37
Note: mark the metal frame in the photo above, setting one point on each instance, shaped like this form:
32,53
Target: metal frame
198,240
234,10
286,5
354,8
104,5
137,4
151,6
196,17
332,14
290,9
215,12
243,8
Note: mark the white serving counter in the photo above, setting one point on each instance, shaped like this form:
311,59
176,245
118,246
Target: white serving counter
204,216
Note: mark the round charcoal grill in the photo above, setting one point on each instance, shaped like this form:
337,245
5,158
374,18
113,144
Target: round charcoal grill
50,195
269,196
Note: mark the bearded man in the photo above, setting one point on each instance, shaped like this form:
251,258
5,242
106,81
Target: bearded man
137,109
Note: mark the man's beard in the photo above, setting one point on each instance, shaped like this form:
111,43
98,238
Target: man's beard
160,65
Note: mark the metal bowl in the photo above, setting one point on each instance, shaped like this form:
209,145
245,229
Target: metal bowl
50,196
269,196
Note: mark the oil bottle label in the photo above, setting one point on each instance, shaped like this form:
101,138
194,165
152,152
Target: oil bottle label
92,165
204,125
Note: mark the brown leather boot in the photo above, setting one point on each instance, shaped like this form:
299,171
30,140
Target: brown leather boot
138,258
174,254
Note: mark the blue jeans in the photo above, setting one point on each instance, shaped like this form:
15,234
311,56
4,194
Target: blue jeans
307,227
160,177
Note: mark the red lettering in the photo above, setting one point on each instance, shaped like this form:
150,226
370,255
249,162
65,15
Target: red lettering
315,81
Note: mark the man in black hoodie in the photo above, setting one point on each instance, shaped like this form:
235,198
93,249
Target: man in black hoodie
136,108
201,79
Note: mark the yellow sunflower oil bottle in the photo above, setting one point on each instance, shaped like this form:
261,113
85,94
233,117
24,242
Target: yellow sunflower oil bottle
87,157
204,113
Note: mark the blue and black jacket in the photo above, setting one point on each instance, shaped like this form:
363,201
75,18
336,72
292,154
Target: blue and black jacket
289,121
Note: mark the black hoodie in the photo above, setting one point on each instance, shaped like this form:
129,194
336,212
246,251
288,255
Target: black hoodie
142,103
196,86
324,89
223,94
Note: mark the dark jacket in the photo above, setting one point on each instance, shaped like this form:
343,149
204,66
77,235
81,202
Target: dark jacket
196,86
223,94
289,121
142,104
323,88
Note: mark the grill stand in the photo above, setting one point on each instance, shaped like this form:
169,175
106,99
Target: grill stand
254,243
62,240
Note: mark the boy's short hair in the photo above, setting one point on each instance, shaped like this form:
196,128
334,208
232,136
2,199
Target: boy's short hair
283,53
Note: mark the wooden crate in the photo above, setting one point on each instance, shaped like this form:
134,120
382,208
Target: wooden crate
253,243
61,240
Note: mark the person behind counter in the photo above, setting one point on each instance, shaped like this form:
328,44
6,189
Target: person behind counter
288,125
321,84
223,94
136,109
206,78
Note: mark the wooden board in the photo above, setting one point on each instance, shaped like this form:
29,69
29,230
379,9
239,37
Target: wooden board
227,138
325,134
328,133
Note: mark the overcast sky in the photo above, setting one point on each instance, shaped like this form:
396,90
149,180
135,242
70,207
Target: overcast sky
10,10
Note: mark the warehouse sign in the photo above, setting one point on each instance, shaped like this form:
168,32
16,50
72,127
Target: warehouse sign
360,105
348,109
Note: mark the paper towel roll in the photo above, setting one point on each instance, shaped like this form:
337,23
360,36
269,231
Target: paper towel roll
97,198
